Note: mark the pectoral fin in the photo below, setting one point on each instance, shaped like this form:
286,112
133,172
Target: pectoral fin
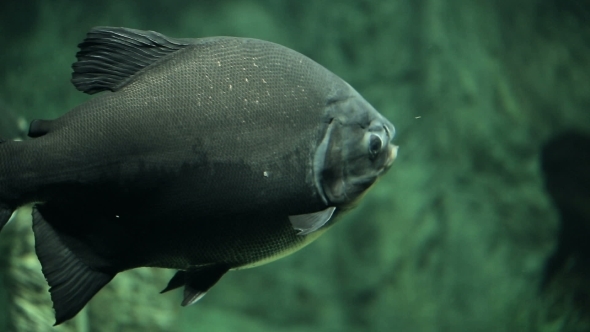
311,222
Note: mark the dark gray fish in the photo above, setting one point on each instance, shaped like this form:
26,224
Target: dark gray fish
201,155
565,162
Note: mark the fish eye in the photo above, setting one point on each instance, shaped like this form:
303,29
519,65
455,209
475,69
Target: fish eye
375,145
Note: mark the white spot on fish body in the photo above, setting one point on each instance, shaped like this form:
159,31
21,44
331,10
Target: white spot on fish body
265,173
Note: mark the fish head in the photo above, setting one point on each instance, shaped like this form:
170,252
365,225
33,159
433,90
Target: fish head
356,150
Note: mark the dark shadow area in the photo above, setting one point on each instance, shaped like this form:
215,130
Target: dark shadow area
565,162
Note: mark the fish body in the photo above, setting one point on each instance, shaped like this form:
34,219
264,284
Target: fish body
201,155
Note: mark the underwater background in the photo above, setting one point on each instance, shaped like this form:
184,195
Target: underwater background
458,235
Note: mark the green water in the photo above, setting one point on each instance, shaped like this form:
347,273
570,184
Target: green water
454,238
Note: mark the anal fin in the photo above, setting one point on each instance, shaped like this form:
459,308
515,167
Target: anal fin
196,282
72,282
176,281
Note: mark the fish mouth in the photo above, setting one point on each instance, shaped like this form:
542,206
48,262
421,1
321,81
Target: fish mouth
391,148
392,155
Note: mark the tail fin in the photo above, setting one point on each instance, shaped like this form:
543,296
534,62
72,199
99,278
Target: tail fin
72,281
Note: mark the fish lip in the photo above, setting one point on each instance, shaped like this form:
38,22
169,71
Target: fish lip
392,150
391,156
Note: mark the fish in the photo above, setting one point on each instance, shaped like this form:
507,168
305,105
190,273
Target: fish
565,167
201,155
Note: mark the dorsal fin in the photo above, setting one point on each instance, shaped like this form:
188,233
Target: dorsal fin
39,128
110,56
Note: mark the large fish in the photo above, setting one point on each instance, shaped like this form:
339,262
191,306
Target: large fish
201,155
565,163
